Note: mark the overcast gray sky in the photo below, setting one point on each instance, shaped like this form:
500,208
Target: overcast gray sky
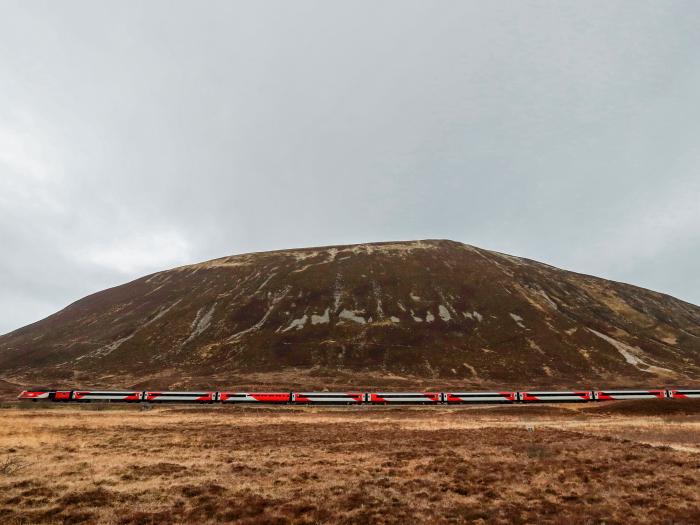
136,136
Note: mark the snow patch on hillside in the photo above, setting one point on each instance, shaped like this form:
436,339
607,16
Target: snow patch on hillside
163,279
273,303
302,255
321,319
201,322
377,291
444,313
518,320
486,255
476,316
352,315
546,297
471,369
391,248
233,261
631,354
297,323
264,283
532,344
331,255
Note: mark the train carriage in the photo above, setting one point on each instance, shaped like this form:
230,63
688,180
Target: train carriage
37,395
684,394
479,397
614,395
328,398
398,398
353,398
255,397
555,397
180,397
106,395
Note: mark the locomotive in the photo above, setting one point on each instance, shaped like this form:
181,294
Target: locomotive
353,398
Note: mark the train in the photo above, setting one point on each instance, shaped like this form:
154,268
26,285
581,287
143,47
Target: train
351,398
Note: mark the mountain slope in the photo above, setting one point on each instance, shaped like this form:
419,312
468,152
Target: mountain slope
422,312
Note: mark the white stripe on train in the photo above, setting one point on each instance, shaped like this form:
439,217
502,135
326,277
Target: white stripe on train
355,398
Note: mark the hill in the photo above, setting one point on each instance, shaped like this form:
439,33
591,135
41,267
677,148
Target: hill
396,314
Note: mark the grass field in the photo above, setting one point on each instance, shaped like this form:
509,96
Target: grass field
636,462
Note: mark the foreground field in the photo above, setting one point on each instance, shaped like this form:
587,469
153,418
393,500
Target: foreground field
619,463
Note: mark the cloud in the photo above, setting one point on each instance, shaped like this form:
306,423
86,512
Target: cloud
138,253
139,137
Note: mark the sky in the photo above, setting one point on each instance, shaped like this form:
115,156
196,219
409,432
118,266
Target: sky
138,136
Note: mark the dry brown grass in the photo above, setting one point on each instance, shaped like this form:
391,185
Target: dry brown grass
357,465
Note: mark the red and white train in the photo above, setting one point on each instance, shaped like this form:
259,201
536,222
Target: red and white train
352,398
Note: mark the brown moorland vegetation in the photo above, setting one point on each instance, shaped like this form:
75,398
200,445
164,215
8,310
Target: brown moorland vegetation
422,314
519,464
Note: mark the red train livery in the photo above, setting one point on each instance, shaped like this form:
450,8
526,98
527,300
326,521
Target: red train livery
353,398
255,397
398,398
